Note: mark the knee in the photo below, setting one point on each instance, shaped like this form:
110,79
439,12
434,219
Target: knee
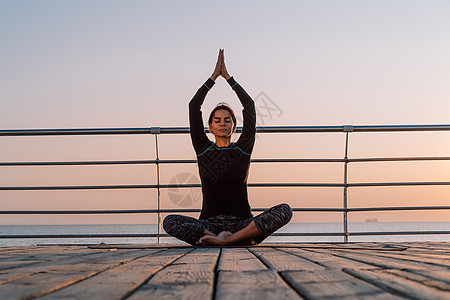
169,223
286,211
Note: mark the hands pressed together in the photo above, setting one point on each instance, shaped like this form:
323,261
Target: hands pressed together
221,69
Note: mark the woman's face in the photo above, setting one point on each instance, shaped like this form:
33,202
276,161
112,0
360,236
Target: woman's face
222,123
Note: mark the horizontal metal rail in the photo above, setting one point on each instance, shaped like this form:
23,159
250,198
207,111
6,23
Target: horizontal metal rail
196,185
178,210
149,235
192,161
154,235
184,130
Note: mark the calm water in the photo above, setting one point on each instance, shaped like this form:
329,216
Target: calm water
292,227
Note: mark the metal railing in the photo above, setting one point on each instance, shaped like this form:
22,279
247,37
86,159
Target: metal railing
156,131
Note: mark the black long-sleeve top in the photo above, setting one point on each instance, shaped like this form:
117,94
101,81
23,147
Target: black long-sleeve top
223,170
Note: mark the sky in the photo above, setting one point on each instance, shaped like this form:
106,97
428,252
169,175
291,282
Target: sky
99,64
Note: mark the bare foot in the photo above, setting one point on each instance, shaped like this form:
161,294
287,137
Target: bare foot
221,239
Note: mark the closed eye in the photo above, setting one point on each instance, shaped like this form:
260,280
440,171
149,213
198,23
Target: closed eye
217,120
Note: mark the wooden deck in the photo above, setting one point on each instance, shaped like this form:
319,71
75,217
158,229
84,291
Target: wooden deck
276,271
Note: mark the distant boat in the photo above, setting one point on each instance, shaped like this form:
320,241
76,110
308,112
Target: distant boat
372,220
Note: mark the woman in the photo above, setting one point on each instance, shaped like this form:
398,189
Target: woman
223,166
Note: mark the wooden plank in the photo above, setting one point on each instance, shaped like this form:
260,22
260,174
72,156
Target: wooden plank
177,291
183,276
441,281
38,284
72,258
239,259
282,261
48,256
6,265
426,247
195,267
39,250
430,244
403,286
262,284
350,246
438,275
190,277
436,260
198,259
331,284
23,249
77,261
382,262
444,256
327,260
56,275
7,277
116,283
138,246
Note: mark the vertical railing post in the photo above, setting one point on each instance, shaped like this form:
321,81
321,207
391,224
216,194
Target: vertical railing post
156,131
347,129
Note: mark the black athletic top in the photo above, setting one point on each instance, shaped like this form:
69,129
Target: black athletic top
223,170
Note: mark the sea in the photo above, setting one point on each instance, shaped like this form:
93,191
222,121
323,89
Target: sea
289,228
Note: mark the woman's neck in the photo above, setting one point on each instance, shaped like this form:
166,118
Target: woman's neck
223,141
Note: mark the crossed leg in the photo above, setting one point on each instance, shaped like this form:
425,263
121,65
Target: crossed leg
259,228
188,229
243,232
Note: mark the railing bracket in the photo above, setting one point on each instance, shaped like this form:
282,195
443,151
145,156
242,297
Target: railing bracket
348,128
155,130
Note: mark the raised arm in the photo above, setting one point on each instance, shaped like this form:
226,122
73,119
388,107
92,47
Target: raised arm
247,138
199,138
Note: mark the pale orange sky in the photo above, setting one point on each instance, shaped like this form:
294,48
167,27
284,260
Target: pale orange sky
137,64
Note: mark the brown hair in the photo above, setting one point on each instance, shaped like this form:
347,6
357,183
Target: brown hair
224,106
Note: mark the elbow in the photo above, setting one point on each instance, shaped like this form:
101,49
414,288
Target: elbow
192,104
250,106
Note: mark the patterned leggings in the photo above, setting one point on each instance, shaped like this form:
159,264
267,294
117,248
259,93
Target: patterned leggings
191,230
